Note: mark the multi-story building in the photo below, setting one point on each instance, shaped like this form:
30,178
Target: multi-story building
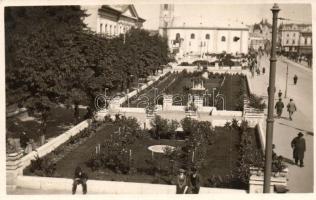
197,36
260,35
295,38
112,20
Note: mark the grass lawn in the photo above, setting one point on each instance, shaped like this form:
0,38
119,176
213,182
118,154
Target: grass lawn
221,157
60,120
231,91
150,92
174,84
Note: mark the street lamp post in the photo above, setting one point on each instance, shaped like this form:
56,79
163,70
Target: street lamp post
287,76
269,134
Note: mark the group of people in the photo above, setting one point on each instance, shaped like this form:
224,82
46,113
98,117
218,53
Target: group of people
186,183
291,107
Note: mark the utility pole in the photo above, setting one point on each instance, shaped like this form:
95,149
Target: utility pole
287,76
269,134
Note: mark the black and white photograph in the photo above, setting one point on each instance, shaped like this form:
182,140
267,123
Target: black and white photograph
166,97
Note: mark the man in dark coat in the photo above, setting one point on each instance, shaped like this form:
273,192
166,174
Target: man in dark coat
194,181
280,94
299,147
279,107
80,177
295,79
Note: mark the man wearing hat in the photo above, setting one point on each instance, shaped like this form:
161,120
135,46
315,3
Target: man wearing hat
299,147
182,182
279,107
194,181
291,108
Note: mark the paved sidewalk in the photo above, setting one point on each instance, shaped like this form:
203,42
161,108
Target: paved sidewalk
300,179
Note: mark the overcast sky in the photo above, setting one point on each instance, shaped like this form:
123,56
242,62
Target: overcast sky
249,14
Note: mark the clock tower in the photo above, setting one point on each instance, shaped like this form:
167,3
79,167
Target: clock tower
166,18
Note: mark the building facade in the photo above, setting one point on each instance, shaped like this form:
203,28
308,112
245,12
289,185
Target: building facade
295,38
260,35
198,37
112,20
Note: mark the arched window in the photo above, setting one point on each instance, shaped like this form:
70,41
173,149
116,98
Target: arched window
287,41
178,37
207,36
165,6
192,36
223,39
110,29
293,42
101,27
305,41
105,28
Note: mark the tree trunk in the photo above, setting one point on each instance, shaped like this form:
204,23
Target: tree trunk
42,139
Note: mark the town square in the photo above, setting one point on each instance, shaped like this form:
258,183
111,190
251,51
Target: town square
159,99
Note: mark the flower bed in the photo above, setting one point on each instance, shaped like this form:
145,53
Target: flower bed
123,157
232,88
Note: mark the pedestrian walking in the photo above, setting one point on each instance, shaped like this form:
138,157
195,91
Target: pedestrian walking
295,79
279,107
182,183
80,177
194,181
291,108
280,94
299,147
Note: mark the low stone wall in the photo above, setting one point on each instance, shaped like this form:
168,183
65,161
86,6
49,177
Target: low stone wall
107,187
256,180
214,69
174,108
54,143
248,80
262,136
131,109
135,92
227,113
206,109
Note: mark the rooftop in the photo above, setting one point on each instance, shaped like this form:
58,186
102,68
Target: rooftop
202,22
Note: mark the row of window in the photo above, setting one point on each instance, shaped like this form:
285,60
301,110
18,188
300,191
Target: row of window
207,37
110,31
288,35
293,42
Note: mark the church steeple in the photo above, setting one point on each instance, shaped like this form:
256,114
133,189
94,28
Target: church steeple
166,16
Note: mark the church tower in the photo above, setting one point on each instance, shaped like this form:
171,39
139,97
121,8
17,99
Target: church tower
166,18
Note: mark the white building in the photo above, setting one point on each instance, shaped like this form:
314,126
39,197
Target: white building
112,20
197,36
296,38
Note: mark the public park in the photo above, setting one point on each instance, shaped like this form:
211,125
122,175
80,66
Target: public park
101,99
